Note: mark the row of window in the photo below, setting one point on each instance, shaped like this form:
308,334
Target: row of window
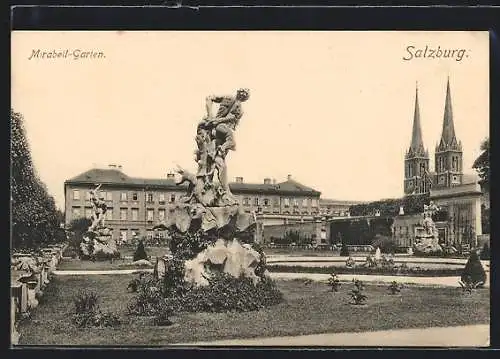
123,214
124,196
126,235
266,202
150,197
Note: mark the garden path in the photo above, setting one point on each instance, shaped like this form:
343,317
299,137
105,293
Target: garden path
463,336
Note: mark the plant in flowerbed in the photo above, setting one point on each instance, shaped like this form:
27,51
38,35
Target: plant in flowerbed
356,294
334,282
394,288
88,314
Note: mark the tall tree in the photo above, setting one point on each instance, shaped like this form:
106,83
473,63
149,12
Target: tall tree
34,213
482,163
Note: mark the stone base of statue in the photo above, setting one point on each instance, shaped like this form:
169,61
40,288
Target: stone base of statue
427,244
99,244
227,253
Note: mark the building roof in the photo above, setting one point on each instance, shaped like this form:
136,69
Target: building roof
117,177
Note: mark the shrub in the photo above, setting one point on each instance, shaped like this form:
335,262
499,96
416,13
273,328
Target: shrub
163,314
149,296
86,302
140,252
105,256
386,244
356,294
187,245
394,287
88,314
344,251
474,272
485,252
334,282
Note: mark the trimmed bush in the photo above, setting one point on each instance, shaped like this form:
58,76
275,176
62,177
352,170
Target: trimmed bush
140,252
485,252
473,272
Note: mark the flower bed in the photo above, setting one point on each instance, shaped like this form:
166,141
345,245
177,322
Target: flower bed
397,270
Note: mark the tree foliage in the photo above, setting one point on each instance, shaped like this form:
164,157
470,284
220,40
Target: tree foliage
390,207
35,219
482,163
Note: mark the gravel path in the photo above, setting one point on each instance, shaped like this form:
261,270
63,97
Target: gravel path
464,336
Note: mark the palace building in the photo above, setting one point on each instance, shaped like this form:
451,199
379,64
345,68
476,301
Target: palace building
135,205
457,194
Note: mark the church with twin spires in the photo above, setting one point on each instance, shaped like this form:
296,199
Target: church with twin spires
455,193
448,167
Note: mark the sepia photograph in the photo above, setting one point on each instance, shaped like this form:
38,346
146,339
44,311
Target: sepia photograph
250,188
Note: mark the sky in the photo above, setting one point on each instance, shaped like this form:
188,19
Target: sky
332,109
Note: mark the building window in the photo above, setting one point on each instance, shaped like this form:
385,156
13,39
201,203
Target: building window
123,235
134,196
172,198
287,202
76,212
150,234
135,214
314,202
304,202
295,202
246,201
161,198
150,214
88,212
109,213
123,196
266,202
149,197
102,195
87,195
123,214
76,195
256,201
276,201
161,214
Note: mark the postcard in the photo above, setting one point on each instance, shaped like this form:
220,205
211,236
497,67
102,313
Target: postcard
250,188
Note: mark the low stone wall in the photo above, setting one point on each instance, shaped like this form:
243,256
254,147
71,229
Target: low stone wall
30,273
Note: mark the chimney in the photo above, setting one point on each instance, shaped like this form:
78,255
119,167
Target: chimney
289,177
170,175
112,166
120,167
239,179
267,181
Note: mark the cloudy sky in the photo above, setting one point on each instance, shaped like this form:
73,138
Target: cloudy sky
333,109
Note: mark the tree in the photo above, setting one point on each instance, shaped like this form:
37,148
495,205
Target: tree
482,163
140,252
34,213
473,272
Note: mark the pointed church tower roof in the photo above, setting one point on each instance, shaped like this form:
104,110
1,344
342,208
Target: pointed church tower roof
417,144
448,138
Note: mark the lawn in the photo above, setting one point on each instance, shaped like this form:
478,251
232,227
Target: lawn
309,308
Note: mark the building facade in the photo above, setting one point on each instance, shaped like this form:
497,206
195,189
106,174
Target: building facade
136,205
457,194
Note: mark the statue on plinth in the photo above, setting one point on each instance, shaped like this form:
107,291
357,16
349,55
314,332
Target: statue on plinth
428,240
98,237
209,212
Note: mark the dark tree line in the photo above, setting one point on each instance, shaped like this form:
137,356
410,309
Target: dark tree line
390,207
34,217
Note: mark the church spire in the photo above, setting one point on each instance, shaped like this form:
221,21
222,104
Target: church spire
448,137
417,144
